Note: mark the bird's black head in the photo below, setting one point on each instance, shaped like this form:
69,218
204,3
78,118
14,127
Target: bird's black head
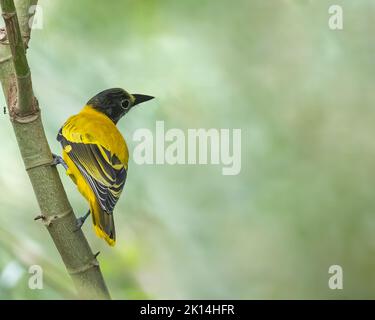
116,102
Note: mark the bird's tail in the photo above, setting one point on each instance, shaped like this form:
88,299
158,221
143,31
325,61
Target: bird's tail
104,224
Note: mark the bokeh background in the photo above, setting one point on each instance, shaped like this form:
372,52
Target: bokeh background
302,95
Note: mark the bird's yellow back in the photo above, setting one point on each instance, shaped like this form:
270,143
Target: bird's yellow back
88,138
91,126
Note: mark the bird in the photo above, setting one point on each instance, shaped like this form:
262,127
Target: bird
95,155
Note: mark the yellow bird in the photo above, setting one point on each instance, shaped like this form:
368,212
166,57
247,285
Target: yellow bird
95,155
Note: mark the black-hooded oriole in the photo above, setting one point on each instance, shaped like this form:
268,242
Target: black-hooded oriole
95,155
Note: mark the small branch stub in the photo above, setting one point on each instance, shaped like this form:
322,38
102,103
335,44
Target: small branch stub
47,220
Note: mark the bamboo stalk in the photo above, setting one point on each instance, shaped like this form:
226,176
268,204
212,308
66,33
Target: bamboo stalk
56,211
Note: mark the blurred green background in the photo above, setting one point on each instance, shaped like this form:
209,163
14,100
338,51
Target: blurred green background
302,95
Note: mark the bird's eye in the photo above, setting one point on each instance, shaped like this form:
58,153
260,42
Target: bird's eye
125,104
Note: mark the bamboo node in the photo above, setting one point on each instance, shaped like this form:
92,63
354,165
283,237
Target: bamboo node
40,163
25,118
8,15
91,264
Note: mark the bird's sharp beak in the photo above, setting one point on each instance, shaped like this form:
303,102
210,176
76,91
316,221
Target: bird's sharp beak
139,98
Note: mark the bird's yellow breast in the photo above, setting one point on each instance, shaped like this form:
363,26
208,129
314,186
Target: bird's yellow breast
93,127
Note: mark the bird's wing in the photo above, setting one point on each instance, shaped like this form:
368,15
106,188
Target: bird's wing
103,171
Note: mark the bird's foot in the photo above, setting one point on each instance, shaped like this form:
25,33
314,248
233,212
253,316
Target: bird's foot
79,224
58,160
81,221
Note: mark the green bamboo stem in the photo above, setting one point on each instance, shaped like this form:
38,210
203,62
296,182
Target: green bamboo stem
25,104
55,209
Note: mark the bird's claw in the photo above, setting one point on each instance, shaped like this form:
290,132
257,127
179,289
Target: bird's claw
81,221
56,160
79,224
